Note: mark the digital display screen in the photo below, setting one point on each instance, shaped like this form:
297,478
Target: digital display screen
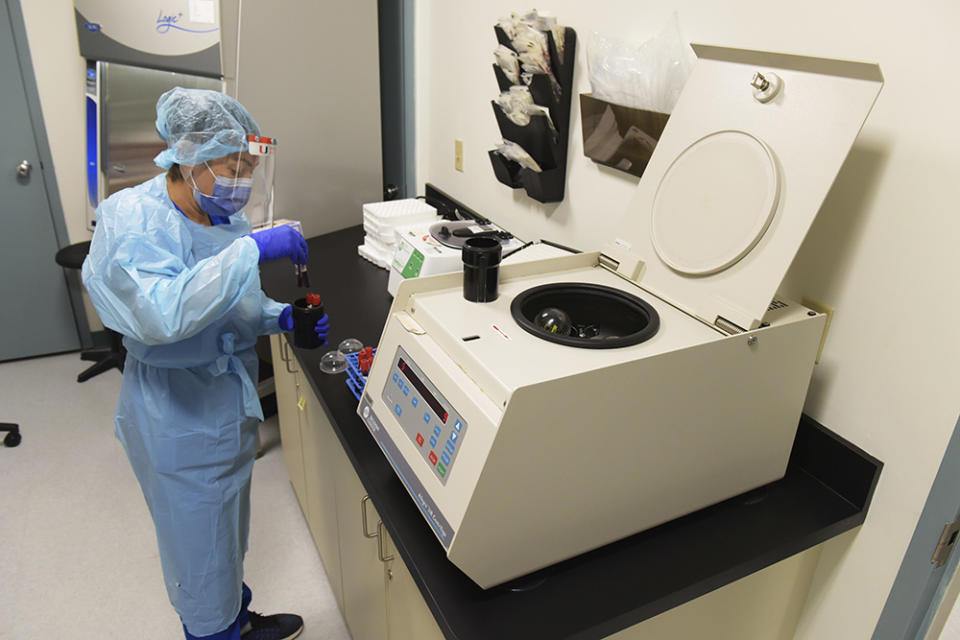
422,388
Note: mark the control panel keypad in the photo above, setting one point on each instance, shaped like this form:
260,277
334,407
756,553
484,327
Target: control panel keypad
432,424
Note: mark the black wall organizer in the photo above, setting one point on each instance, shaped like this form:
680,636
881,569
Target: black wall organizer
546,146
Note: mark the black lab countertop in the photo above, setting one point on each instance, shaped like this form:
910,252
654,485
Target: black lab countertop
826,491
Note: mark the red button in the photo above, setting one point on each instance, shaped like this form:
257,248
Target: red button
433,458
419,439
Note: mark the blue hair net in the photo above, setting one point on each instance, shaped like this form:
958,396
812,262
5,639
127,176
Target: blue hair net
199,125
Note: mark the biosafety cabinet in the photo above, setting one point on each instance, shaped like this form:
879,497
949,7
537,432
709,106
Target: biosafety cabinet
605,393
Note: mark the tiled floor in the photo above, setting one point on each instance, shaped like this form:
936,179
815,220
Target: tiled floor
78,555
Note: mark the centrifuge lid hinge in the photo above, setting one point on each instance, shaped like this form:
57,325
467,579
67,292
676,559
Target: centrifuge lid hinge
728,327
609,263
619,257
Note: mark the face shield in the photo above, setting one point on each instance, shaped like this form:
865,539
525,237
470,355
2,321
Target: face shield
239,181
262,152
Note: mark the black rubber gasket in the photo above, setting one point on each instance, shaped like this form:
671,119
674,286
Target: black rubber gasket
624,319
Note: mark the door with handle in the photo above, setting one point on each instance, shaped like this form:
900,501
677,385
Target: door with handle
35,311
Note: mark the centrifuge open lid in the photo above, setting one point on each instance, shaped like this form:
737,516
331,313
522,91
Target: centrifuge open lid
738,176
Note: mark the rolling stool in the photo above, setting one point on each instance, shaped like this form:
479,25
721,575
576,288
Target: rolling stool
105,358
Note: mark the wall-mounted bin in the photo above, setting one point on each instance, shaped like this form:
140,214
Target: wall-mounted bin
617,136
539,185
546,145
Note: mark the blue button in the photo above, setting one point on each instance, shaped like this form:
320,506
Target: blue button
449,446
395,377
426,417
433,441
436,430
445,458
453,436
415,401
400,383
398,410
406,391
458,425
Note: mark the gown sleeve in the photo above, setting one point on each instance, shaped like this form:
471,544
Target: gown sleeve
142,288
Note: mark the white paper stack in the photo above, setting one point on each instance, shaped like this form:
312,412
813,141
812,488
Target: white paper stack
380,223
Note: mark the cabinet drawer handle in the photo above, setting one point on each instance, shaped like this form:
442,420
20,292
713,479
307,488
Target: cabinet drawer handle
363,513
381,537
285,356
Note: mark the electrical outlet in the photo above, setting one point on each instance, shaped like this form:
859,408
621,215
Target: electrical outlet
819,307
458,155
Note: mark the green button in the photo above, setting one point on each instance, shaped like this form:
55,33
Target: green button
442,469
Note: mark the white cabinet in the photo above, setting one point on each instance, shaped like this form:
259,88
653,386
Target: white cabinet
373,587
364,573
408,616
320,450
285,381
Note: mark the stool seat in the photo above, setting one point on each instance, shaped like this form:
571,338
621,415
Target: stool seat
72,256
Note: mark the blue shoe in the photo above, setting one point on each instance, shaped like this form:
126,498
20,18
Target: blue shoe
280,626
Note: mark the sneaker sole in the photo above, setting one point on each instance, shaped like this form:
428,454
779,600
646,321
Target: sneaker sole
295,634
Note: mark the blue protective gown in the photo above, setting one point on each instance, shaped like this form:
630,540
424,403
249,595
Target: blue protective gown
188,302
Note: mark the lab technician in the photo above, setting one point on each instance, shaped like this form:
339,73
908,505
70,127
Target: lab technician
173,267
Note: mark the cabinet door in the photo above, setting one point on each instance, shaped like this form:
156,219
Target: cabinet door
319,460
407,614
364,575
285,381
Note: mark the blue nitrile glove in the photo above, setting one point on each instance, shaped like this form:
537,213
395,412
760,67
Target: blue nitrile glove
286,318
281,242
323,328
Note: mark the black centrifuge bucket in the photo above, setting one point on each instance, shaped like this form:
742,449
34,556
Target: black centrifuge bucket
481,269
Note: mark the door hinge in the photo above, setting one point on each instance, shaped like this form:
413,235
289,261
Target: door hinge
609,263
947,539
728,327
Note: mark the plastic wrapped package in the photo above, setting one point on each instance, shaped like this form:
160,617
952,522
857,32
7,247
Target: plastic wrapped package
647,76
513,151
508,62
547,23
513,104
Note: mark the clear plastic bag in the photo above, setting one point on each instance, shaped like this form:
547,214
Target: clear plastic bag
647,76
547,23
513,151
508,62
528,36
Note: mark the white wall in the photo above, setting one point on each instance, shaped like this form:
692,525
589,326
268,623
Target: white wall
316,88
60,71
881,251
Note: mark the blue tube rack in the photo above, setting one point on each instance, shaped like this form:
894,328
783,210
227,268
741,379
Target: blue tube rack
356,381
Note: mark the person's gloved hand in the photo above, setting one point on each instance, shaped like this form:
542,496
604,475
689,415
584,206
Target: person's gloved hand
286,318
281,242
322,329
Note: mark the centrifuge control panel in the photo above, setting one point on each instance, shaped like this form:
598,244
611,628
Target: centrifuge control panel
431,423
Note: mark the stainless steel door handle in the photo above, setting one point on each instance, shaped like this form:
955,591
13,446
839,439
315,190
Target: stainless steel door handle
380,536
363,514
23,169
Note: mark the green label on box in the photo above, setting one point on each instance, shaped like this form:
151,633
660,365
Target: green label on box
413,262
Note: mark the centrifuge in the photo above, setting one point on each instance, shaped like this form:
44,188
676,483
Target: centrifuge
605,393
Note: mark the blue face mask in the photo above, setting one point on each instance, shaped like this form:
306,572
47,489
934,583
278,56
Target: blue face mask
229,195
